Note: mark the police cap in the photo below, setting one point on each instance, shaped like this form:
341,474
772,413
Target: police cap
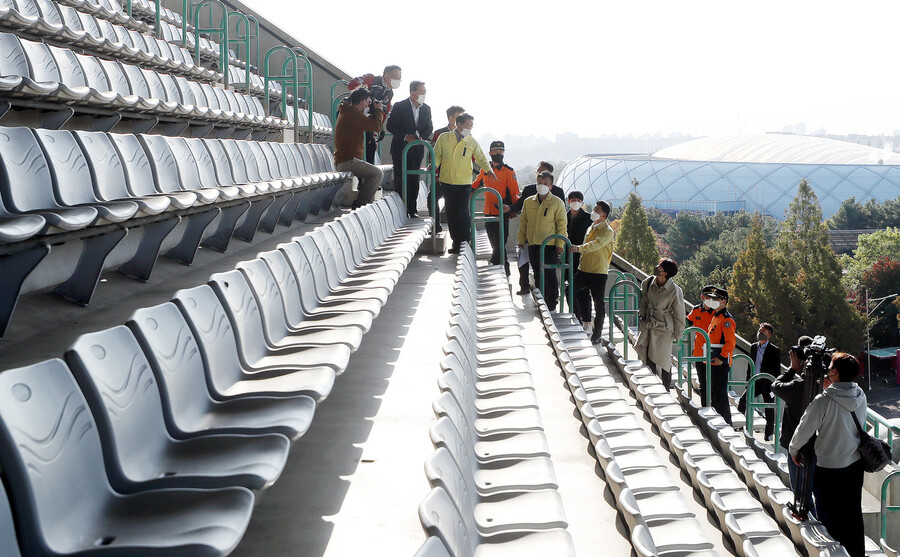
708,290
497,145
717,292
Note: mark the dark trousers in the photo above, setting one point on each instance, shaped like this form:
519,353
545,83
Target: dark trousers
719,391
456,201
664,376
493,234
413,162
763,389
524,283
590,286
371,147
838,494
438,194
551,283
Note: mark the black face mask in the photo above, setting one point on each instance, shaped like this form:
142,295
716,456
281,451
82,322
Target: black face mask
498,159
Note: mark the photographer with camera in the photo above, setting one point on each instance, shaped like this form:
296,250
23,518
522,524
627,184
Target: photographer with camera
356,115
839,468
789,387
382,89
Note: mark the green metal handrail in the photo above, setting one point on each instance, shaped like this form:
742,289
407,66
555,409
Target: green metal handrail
291,83
751,370
885,508
306,83
221,30
241,39
429,174
687,345
628,299
567,266
753,405
335,103
877,421
254,34
156,24
186,13
476,216
625,311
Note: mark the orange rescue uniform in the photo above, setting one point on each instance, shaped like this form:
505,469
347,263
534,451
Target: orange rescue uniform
722,336
699,317
506,185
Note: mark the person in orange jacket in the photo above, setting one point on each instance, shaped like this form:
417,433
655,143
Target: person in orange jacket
504,181
700,317
722,340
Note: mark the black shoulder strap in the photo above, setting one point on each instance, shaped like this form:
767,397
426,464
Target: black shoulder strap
858,427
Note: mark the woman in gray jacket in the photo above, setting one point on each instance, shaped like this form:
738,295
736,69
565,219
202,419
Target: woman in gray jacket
839,470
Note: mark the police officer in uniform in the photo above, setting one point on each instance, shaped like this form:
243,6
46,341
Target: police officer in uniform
722,340
701,316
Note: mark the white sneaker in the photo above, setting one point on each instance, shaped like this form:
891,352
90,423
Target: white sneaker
588,327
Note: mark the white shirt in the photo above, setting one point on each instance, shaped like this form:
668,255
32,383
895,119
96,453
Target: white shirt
415,110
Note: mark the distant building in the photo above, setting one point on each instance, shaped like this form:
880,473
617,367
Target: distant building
750,172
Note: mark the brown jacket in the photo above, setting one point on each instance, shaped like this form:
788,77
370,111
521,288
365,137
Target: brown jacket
348,132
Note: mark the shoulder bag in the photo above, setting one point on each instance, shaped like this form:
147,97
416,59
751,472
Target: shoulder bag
875,453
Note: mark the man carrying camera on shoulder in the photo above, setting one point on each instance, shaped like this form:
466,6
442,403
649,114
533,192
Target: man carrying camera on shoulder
356,115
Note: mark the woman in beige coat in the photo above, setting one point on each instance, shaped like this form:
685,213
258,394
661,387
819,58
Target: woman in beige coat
661,315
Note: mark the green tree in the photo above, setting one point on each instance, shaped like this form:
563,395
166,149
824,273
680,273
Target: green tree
851,215
659,220
870,249
635,240
687,233
883,279
806,261
758,293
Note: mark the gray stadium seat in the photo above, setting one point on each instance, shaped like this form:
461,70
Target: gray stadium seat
8,540
433,547
255,352
188,408
441,518
294,303
50,451
139,453
218,347
318,247
271,303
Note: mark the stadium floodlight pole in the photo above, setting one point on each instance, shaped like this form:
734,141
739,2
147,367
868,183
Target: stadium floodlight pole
869,313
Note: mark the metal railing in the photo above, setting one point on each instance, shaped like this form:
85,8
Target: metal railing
753,405
625,311
476,216
431,180
291,83
243,32
887,509
566,264
688,348
220,29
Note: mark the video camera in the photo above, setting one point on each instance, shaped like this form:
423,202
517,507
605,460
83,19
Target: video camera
818,357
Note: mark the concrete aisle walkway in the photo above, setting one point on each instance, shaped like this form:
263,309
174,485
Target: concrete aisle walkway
589,504
353,483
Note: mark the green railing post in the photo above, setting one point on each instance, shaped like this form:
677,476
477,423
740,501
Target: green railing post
128,8
221,30
623,285
287,79
306,83
877,421
335,103
479,217
751,370
885,508
753,405
429,174
566,264
241,39
254,34
156,21
687,345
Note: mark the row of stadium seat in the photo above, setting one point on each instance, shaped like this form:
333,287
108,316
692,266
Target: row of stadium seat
32,70
651,503
744,502
48,20
97,186
494,486
156,432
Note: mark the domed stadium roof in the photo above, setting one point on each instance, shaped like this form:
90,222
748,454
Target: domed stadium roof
777,148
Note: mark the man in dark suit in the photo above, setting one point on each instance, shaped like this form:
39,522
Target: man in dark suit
767,359
410,120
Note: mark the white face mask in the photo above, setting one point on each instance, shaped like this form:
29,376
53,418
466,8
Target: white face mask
595,216
465,132
366,112
543,189
421,99
574,205
711,304
395,83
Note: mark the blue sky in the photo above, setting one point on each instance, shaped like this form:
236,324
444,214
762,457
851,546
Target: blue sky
601,67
